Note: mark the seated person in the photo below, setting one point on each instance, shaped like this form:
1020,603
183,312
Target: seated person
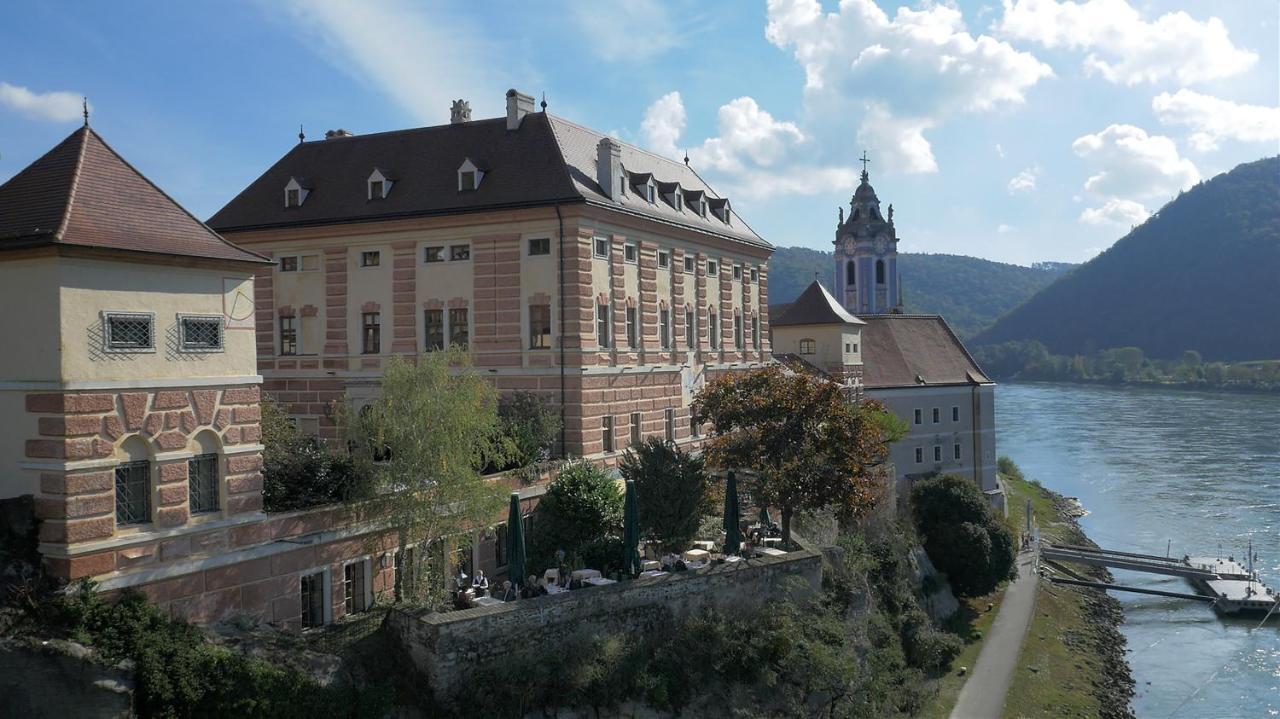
508,591
480,583
461,579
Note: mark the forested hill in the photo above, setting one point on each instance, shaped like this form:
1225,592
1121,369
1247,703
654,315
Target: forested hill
969,292
1201,274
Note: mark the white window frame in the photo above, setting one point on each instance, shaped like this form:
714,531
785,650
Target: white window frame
467,245
182,342
360,258
529,247
737,272
442,255
937,415
107,316
377,176
469,166
713,268
937,453
630,253
955,413
755,275
327,603
367,564
690,264
955,454
917,415
664,259
595,247
293,184
919,455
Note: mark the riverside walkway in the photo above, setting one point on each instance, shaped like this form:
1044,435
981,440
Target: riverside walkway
982,696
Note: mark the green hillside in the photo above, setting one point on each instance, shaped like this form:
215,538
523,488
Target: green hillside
970,292
1201,274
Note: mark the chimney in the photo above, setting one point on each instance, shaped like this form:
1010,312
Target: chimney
340,132
609,167
460,112
518,105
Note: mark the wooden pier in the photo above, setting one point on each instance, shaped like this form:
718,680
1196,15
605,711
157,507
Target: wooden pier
1231,587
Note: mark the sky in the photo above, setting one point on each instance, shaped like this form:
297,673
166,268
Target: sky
1015,130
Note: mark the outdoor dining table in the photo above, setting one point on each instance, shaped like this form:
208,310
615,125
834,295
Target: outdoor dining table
770,541
770,552
654,573
650,564
585,574
486,601
697,555
598,581
708,546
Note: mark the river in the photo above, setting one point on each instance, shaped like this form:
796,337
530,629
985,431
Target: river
1199,468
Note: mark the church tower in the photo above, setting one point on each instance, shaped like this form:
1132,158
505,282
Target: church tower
866,250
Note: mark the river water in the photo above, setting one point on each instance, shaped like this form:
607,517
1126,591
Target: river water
1201,469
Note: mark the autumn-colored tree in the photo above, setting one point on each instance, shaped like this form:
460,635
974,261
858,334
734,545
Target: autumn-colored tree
807,445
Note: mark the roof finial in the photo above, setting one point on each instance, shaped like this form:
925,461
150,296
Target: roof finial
544,100
302,136
85,104
686,155
864,162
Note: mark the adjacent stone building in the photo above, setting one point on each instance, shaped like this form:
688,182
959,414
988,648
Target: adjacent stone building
610,280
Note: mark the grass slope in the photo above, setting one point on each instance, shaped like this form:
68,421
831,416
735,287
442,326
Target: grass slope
970,292
1199,274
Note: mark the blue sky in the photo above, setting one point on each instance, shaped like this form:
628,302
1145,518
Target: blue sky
1017,130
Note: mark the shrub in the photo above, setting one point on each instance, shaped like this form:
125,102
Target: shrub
529,426
1009,468
964,539
582,505
300,471
671,491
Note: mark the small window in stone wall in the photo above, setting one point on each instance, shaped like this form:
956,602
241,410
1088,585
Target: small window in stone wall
354,583
129,331
200,334
133,492
808,346
313,600
202,476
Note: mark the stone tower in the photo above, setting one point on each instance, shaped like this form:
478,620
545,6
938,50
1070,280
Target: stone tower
866,251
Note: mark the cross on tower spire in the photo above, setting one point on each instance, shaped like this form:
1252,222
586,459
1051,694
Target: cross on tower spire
865,161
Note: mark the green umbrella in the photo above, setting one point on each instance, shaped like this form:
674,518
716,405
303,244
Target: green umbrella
765,519
732,532
630,532
515,543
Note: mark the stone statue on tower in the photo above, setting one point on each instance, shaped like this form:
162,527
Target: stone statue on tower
866,253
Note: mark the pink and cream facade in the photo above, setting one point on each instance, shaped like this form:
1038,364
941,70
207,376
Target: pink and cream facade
611,281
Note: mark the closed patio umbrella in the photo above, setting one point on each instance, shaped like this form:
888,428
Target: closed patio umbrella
732,530
765,519
515,543
630,532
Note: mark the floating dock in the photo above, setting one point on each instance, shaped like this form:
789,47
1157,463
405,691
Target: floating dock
1233,588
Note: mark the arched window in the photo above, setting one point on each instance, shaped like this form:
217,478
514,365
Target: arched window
851,274
879,272
204,475
808,346
133,483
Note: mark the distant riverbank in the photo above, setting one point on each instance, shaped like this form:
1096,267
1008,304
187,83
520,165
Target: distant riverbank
1073,660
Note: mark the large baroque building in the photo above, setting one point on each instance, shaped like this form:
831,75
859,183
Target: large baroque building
866,252
610,280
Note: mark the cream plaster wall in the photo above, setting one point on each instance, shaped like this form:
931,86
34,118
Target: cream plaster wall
296,290
945,433
16,426
88,288
829,343
29,291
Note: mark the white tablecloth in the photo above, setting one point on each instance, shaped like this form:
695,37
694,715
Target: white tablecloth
697,555
598,581
654,573
582,574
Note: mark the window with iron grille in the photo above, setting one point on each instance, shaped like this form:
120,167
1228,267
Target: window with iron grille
459,329
433,321
372,322
633,340
202,476
133,492
288,336
433,254
312,600
353,587
540,246
458,253
200,334
127,331
539,327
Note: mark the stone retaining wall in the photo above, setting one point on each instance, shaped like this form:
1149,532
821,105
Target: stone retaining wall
445,647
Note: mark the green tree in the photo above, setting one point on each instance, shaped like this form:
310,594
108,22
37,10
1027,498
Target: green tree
581,514
300,471
671,489
962,536
806,444
424,440
530,425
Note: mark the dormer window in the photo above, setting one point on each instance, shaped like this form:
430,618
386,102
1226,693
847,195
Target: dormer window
678,196
651,193
379,185
469,176
702,207
294,193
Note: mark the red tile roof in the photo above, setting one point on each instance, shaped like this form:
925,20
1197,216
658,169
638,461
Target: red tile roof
915,351
814,306
82,193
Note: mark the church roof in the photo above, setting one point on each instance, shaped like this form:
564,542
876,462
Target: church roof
84,194
915,351
814,306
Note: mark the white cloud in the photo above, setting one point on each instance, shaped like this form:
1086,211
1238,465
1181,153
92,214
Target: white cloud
1213,119
663,124
906,73
1124,48
1134,165
1004,229
1000,150
55,106
755,154
1024,181
1117,212
421,58
633,31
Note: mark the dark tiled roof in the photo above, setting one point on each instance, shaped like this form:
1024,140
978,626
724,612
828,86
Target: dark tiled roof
814,306
82,193
913,351
800,365
546,160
